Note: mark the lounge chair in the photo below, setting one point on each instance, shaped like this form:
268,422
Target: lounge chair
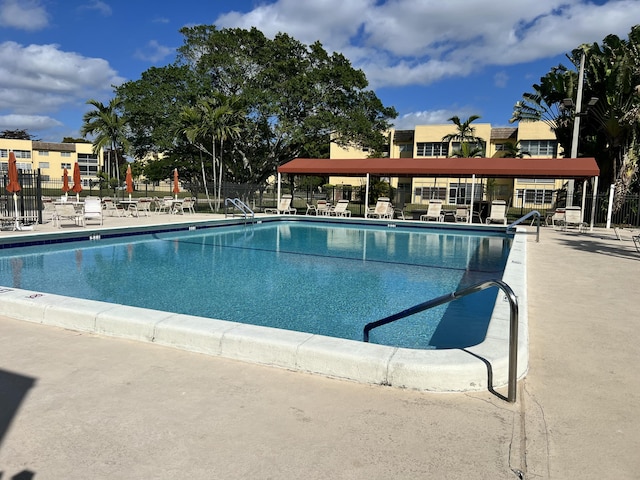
572,218
434,212
284,206
66,211
498,213
383,209
340,210
92,210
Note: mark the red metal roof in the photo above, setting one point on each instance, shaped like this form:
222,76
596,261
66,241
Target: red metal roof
447,167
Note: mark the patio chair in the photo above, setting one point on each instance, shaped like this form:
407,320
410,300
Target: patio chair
383,209
322,207
498,213
462,214
66,211
340,210
434,212
311,210
143,207
573,218
92,210
111,208
187,204
284,206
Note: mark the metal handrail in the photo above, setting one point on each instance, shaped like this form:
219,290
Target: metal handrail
532,213
240,205
513,322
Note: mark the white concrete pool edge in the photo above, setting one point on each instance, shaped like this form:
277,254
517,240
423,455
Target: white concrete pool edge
454,370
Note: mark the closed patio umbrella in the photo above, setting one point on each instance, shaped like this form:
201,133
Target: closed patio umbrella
65,182
77,181
176,184
129,181
14,184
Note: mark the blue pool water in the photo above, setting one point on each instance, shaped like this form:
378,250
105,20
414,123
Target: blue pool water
322,279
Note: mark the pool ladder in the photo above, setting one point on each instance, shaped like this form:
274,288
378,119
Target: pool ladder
513,323
238,204
536,218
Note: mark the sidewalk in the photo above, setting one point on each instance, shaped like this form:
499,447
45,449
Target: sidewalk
97,407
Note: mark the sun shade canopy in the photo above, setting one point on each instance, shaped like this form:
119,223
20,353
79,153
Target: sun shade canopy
446,167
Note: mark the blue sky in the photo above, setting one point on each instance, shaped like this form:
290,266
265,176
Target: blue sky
430,59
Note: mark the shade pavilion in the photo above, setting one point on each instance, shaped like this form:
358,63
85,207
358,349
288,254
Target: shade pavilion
564,168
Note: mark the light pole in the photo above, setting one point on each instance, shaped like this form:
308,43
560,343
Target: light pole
576,127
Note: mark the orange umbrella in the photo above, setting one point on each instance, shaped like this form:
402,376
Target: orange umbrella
129,181
77,181
14,183
176,185
65,182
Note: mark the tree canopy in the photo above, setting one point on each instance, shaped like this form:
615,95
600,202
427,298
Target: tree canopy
610,129
295,99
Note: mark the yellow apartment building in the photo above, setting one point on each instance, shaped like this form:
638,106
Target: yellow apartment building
425,142
52,158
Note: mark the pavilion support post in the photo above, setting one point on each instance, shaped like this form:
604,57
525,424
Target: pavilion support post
612,190
279,189
473,193
584,198
366,197
593,204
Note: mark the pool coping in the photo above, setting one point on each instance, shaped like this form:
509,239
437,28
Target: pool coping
450,370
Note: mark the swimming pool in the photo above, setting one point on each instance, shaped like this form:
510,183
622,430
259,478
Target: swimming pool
353,244
328,279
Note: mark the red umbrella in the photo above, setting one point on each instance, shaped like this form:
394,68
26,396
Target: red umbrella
65,181
176,185
14,183
77,181
129,181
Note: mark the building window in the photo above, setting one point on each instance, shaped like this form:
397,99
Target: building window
460,193
23,166
546,148
43,164
65,154
43,153
432,149
431,193
65,165
545,181
535,196
87,158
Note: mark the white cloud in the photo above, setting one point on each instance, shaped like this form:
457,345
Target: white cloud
27,122
418,42
153,52
41,78
435,117
23,14
98,6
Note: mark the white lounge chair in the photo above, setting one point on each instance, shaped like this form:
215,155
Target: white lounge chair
383,209
498,213
434,212
111,208
284,206
92,210
340,210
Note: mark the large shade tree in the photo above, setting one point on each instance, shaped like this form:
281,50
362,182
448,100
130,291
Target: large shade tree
296,99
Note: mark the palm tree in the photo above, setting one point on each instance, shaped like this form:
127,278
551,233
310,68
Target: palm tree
465,135
211,119
108,128
545,104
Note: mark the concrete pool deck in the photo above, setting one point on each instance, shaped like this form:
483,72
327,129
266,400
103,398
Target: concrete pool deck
82,404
